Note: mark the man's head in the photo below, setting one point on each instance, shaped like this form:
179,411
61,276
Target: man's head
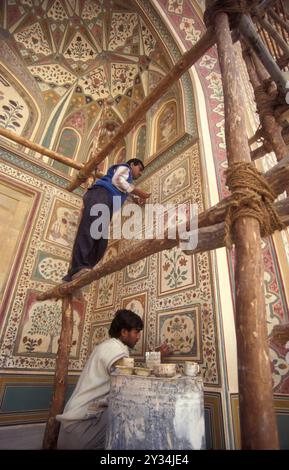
126,326
137,167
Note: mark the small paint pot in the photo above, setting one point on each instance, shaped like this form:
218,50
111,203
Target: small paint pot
191,368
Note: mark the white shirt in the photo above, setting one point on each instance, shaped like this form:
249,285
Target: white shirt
93,386
119,179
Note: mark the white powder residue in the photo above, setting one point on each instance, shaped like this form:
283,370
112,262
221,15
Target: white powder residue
189,419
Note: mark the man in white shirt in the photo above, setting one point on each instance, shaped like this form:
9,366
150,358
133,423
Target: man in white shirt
83,422
87,251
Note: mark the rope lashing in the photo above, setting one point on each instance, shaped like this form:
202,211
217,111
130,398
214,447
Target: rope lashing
266,104
252,197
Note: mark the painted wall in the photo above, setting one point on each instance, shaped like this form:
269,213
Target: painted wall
174,293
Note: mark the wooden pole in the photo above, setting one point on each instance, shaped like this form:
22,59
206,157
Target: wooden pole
267,147
278,19
274,34
248,31
257,417
43,150
208,238
38,148
187,60
60,378
272,130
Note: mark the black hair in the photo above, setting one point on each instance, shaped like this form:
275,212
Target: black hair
135,161
124,319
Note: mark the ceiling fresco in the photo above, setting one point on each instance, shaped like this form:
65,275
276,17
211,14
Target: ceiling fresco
103,50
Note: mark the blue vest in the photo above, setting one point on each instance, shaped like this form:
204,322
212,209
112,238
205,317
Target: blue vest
106,182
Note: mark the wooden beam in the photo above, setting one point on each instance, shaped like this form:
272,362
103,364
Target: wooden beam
257,416
278,176
38,148
267,147
44,151
278,179
186,61
209,238
60,377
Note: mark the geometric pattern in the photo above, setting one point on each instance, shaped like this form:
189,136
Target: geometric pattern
79,55
119,35
33,38
95,84
79,49
53,73
57,12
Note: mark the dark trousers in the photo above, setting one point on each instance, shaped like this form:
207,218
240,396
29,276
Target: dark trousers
87,251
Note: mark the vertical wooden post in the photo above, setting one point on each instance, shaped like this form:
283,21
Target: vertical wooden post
271,128
257,417
60,378
248,31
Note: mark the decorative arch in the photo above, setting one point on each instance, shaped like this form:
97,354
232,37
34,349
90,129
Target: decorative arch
120,155
18,110
165,125
139,142
68,145
103,166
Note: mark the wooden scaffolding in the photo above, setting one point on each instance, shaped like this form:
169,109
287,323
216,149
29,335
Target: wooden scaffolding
242,218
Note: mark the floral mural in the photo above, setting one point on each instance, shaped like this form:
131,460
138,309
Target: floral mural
14,111
63,224
166,125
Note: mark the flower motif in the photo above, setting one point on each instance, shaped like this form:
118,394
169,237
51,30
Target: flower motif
166,266
280,368
187,25
183,261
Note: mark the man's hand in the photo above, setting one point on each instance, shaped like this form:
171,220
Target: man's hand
137,200
140,201
143,194
164,349
140,193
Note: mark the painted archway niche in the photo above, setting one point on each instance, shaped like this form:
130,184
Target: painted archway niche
18,111
165,127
